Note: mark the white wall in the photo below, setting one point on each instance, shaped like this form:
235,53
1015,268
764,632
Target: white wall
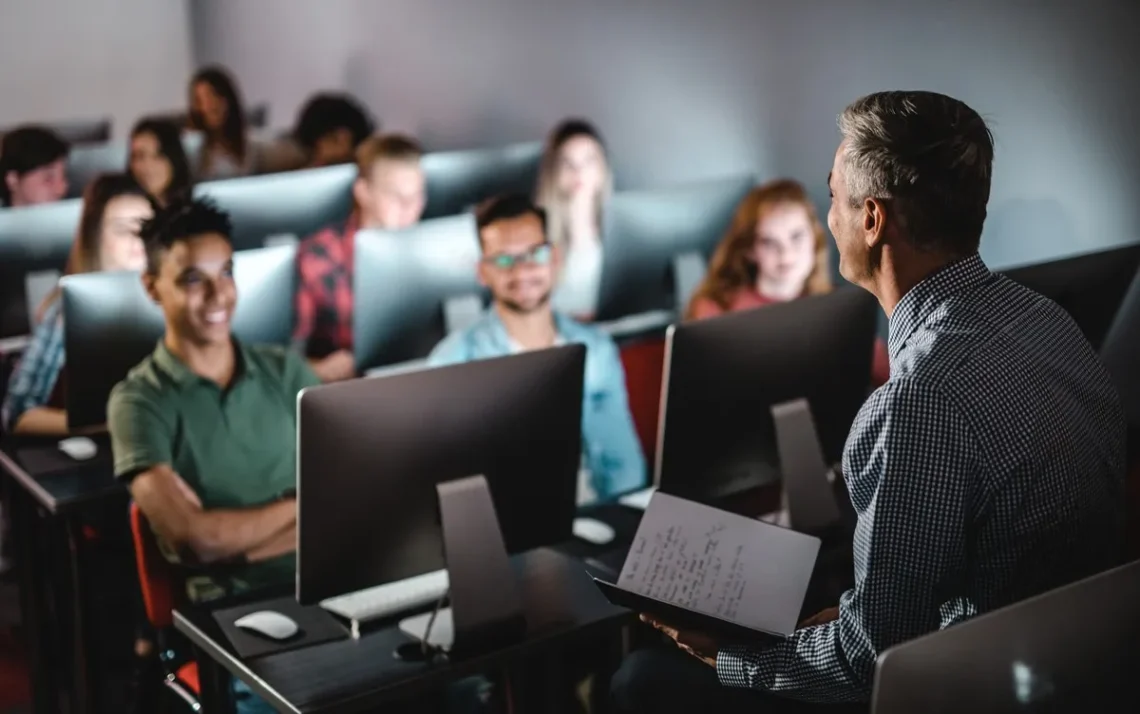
89,59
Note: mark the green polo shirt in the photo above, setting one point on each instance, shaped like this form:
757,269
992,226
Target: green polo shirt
235,447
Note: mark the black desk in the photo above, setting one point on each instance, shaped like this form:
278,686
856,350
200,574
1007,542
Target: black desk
48,493
562,607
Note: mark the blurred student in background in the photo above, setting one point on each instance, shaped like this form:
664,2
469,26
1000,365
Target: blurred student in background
574,184
519,267
158,161
329,129
33,167
775,251
389,194
114,207
217,111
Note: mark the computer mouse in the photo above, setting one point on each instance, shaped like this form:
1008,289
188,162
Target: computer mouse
79,448
271,624
593,531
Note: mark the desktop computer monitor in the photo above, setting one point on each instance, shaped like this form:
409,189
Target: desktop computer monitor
371,452
1073,649
80,131
402,281
291,205
723,375
646,230
84,163
35,239
457,180
1089,287
1121,354
111,324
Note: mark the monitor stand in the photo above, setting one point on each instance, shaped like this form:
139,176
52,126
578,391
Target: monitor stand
486,609
808,496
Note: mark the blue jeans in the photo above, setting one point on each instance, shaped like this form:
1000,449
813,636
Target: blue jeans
466,696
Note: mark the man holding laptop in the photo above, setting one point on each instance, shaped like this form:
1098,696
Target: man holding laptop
988,469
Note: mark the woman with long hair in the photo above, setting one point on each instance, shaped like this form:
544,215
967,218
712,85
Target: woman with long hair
158,161
113,208
574,184
216,110
774,251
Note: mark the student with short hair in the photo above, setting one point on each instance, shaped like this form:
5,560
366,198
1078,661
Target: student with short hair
33,167
330,127
518,266
389,193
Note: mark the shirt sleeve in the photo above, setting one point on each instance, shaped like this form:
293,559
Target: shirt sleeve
34,378
141,436
617,465
910,551
298,374
450,350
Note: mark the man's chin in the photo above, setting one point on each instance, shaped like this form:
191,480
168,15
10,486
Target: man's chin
527,307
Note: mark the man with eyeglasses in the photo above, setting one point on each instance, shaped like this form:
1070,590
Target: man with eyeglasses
519,266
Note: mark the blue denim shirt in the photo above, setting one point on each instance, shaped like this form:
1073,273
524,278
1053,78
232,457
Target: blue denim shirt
610,445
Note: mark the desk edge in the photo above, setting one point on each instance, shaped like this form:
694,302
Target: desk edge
29,484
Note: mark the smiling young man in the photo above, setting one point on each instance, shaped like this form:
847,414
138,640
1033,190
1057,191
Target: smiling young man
204,429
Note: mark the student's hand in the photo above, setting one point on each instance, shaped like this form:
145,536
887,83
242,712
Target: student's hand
336,367
698,645
820,618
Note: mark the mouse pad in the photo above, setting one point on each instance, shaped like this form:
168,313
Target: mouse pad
315,626
43,460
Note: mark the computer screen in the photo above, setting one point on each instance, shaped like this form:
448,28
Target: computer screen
1089,287
402,281
1121,353
457,180
1073,649
84,163
646,230
111,324
34,239
295,203
724,374
372,451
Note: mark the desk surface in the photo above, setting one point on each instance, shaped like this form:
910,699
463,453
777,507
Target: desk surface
560,601
53,479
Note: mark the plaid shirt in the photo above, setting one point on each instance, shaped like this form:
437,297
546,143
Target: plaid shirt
35,380
324,291
988,469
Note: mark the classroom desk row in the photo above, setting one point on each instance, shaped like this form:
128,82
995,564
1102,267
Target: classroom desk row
50,496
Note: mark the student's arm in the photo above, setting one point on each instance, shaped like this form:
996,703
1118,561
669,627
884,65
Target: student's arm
280,544
33,380
178,517
614,451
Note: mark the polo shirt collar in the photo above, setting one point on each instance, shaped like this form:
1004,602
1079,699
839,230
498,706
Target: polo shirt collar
181,375
923,299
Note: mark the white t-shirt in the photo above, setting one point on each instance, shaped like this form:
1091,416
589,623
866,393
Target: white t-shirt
577,291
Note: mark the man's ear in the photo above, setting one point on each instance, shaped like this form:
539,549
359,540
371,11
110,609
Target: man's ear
360,192
10,180
874,222
148,281
480,272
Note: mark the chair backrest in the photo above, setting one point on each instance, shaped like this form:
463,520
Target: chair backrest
155,575
644,363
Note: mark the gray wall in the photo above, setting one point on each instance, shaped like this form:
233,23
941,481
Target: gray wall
90,59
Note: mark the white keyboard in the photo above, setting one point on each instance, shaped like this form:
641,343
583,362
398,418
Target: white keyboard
392,599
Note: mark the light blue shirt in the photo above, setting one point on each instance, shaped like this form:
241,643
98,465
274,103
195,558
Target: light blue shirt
610,446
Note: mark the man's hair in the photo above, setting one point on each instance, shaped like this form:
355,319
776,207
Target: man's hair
386,147
26,149
325,113
506,207
930,157
181,220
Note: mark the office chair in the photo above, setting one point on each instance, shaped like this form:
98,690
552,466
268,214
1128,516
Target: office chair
157,582
644,363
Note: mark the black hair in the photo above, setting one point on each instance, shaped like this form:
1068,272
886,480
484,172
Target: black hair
569,128
233,133
505,207
170,146
182,220
26,149
325,113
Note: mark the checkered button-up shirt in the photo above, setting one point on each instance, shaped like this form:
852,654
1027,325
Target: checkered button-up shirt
324,291
988,469
36,380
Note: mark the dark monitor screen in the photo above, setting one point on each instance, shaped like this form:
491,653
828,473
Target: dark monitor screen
1121,353
401,282
724,374
457,180
1074,649
110,324
273,206
372,451
646,230
1089,287
85,163
32,239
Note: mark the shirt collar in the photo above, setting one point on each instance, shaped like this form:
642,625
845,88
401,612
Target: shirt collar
503,339
177,370
914,308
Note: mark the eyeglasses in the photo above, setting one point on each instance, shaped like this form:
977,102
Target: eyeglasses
537,255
